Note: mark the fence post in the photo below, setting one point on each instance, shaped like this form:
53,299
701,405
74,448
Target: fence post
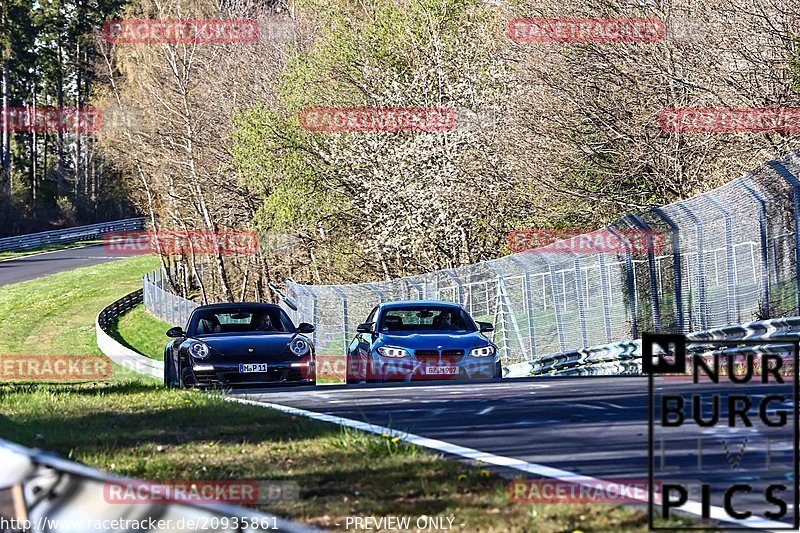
651,264
346,327
452,275
526,287
508,314
762,223
795,183
604,293
420,291
576,262
733,300
701,265
562,342
630,282
676,266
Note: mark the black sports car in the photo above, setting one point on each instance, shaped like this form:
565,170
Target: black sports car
239,343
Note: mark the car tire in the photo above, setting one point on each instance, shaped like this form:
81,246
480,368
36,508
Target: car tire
349,377
169,371
498,370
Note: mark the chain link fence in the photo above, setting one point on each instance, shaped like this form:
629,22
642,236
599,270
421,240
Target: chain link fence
728,256
159,301
725,257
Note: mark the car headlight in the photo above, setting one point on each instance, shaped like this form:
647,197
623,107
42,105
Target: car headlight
485,351
299,346
198,350
388,351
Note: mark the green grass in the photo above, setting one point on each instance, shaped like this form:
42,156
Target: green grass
141,331
141,430
132,426
51,248
55,315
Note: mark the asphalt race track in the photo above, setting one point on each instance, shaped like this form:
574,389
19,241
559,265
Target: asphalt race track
595,426
39,265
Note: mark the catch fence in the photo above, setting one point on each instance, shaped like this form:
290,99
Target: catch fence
726,257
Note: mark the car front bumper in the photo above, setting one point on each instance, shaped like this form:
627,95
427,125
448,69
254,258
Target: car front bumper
210,374
412,369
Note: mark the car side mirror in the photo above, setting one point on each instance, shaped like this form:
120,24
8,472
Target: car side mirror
176,332
366,327
305,327
485,327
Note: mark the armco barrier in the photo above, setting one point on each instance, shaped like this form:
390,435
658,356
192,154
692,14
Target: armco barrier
115,351
624,358
41,486
68,235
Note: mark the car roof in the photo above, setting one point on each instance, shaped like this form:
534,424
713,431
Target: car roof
419,303
236,305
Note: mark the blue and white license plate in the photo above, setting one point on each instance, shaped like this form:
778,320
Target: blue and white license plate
245,368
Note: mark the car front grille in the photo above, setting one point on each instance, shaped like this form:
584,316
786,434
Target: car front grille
427,356
452,356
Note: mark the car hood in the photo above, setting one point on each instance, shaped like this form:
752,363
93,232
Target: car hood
431,341
250,346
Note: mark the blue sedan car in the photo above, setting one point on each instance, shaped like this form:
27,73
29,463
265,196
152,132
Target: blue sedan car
416,340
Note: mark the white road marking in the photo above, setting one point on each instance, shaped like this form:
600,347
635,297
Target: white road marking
586,405
616,406
50,252
695,508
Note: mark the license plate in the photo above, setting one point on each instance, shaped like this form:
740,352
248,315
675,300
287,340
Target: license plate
252,367
441,370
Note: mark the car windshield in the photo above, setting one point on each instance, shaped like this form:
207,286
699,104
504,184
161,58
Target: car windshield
430,319
241,320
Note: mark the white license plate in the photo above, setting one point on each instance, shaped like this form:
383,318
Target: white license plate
441,370
253,367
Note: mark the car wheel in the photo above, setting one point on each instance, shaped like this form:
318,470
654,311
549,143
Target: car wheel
372,374
181,381
350,374
498,370
169,372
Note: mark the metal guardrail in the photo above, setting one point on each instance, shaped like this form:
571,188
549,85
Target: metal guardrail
68,235
54,494
625,358
122,355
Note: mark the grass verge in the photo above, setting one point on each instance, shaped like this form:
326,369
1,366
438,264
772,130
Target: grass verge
141,430
139,330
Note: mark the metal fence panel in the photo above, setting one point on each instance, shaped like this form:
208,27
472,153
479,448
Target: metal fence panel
721,258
